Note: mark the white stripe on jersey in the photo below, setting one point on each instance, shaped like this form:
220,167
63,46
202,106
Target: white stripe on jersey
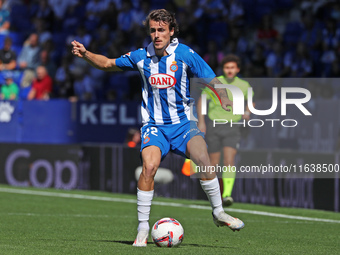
145,112
171,92
184,91
157,107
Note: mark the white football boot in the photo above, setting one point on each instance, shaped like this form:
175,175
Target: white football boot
142,238
224,219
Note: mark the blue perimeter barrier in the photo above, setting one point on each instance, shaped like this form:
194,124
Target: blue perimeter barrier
62,122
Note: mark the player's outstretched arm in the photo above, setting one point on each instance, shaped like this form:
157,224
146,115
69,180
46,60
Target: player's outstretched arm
222,92
98,61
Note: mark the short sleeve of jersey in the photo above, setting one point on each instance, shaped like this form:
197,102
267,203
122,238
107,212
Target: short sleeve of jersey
198,67
128,61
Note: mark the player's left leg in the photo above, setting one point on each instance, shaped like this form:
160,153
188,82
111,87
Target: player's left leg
228,178
197,150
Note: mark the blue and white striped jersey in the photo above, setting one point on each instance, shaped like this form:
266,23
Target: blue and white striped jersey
165,81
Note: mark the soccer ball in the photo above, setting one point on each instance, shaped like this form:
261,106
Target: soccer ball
167,232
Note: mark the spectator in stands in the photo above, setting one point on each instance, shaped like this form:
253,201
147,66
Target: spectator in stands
214,9
59,7
266,33
300,62
55,52
83,87
312,6
335,11
103,39
235,15
41,86
328,57
125,17
45,13
140,14
311,34
81,35
41,30
258,62
63,86
241,44
97,77
28,59
71,20
331,34
49,64
10,90
275,62
95,9
7,56
111,11
195,11
4,19
213,57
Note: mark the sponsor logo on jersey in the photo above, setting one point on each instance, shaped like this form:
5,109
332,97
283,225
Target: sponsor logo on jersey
126,54
162,81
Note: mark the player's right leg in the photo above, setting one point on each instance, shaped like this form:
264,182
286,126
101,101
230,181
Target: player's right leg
197,150
151,156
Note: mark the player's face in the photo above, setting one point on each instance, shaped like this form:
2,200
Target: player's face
230,70
160,36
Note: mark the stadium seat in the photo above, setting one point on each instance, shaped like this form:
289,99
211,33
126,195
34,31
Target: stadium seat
22,24
2,78
218,31
284,4
158,4
2,40
260,11
120,83
17,38
17,49
59,40
23,93
17,76
292,33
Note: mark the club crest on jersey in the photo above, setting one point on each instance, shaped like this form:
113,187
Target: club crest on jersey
174,66
162,80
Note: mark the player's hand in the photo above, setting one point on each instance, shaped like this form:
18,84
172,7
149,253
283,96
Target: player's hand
78,49
225,103
202,127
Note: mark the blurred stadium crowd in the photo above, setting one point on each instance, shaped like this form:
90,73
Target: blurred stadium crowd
274,38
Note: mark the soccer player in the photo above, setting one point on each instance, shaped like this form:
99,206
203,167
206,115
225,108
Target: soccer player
224,137
165,67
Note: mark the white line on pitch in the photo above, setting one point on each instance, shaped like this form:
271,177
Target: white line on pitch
133,201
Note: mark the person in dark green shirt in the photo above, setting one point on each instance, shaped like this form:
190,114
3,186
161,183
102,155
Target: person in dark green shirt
10,90
224,137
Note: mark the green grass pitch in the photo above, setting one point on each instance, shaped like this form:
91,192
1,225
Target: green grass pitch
89,223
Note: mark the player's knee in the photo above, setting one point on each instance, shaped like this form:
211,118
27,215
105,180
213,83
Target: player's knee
149,170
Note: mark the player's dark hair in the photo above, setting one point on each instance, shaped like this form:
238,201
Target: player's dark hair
163,16
231,58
